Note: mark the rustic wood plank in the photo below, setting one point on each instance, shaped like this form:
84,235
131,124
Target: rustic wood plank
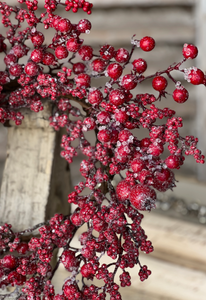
28,175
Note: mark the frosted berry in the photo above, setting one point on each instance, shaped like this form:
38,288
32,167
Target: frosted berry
73,45
147,43
172,162
114,71
64,25
123,190
37,55
31,69
98,65
79,68
121,55
84,26
107,52
195,76
70,262
48,59
82,80
86,52
139,65
143,197
159,83
129,82
103,117
61,52
95,97
180,95
15,70
189,51
117,97
10,59
104,135
9,261
37,39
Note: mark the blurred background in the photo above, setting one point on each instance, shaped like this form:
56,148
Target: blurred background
179,261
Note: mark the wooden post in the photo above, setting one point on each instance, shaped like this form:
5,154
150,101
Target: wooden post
201,90
36,180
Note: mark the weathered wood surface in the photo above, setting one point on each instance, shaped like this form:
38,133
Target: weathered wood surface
31,190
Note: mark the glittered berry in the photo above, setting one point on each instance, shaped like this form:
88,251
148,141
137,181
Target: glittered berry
143,197
180,95
147,43
189,51
114,71
61,52
15,70
9,262
70,261
159,83
107,52
139,65
104,135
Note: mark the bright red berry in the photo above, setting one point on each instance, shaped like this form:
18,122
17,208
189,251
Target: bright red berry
180,95
61,52
143,197
147,43
159,83
139,65
189,51
114,71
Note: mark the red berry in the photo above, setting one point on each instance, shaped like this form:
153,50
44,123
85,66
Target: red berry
195,76
19,50
37,39
37,55
84,26
61,52
86,52
142,197
9,262
121,55
114,71
103,117
123,190
48,58
139,65
98,65
95,97
189,51
147,43
31,69
117,97
15,70
83,80
64,25
70,262
10,59
172,162
79,68
104,136
137,165
107,52
121,116
180,95
129,82
73,45
159,83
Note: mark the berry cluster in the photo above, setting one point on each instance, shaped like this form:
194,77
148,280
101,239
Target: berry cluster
52,73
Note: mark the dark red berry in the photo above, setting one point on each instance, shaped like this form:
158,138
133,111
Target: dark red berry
114,71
